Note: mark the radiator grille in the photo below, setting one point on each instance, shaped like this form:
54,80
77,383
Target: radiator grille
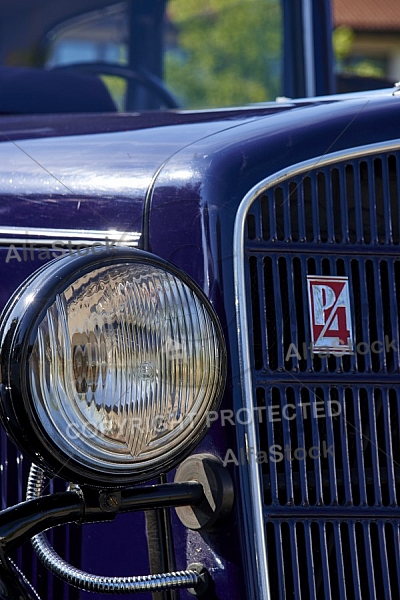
14,471
330,556
328,426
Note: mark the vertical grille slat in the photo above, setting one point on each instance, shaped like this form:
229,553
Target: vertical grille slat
355,573
359,443
287,443
369,559
309,557
331,440
377,363
268,217
325,562
337,214
395,547
265,342
388,313
388,424
280,317
330,222
358,205
348,181
292,314
261,342
272,473
365,310
344,434
295,574
374,446
394,179
284,199
384,559
339,560
331,466
316,441
300,227
303,479
387,205
282,216
372,224
340,187
380,210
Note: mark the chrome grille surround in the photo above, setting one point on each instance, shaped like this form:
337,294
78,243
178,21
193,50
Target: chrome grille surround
332,512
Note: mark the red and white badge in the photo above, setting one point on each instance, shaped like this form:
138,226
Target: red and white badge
330,314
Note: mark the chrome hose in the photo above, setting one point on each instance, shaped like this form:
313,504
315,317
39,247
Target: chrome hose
95,583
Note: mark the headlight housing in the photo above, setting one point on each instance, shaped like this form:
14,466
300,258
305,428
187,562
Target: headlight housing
109,366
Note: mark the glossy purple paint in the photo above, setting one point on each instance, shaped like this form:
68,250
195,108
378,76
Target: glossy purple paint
95,171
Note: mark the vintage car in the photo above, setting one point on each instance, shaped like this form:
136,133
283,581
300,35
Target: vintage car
199,343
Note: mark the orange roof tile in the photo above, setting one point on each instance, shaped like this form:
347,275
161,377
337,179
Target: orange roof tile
367,14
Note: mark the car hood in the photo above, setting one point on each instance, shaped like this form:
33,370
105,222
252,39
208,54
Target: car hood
94,171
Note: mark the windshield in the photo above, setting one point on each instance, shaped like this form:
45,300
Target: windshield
221,52
214,53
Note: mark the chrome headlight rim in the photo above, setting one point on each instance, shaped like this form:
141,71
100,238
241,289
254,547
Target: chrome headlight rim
18,333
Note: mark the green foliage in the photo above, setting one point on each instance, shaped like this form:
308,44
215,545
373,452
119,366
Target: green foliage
117,88
366,68
343,39
224,53
343,42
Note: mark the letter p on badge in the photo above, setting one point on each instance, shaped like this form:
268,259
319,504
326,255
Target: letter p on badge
330,314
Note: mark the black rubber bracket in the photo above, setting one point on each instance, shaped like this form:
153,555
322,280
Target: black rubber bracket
216,481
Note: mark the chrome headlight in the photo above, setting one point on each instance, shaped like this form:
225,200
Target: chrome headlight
109,366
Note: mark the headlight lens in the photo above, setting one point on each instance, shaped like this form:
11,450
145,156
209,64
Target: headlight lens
124,360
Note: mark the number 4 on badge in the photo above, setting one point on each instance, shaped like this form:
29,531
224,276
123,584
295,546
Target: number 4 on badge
330,314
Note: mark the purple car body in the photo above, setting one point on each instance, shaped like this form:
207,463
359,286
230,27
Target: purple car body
172,184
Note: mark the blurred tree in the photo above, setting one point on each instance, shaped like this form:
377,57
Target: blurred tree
348,62
117,88
343,39
222,53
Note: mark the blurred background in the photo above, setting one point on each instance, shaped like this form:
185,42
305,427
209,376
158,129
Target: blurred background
212,53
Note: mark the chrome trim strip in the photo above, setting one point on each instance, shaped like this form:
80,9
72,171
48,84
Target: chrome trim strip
47,236
243,342
48,242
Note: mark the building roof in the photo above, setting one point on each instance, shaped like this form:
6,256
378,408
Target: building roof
367,15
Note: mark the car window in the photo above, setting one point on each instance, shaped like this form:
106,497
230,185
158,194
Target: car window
217,53
100,36
220,53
